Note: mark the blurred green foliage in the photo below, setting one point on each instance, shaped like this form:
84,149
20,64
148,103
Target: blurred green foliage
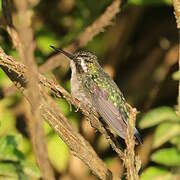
149,2
155,173
167,129
176,75
157,116
58,153
13,164
45,39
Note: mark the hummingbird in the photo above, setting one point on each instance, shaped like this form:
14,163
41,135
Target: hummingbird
93,87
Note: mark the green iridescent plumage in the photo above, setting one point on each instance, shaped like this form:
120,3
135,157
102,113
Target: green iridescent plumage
105,83
96,75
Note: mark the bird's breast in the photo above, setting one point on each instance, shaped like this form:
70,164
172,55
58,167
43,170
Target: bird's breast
77,90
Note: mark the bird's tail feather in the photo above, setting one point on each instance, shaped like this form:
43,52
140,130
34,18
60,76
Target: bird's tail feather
139,140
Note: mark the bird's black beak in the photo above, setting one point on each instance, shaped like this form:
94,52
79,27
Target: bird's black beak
69,55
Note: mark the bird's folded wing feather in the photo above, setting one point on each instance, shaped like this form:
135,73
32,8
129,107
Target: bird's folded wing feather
111,114
108,111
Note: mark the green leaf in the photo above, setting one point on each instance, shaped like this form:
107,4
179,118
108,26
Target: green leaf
10,153
8,170
47,128
65,107
165,132
8,150
24,145
58,153
3,78
7,122
30,169
176,141
149,2
154,173
158,115
176,75
7,118
167,156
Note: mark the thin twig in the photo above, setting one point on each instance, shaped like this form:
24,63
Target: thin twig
10,27
160,75
35,120
91,31
131,163
176,4
51,112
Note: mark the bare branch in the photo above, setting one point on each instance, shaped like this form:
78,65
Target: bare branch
87,35
10,27
131,162
35,121
161,72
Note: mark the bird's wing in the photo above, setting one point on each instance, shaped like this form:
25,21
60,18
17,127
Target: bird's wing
108,111
111,114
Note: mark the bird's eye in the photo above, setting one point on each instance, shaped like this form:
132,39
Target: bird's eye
88,60
84,58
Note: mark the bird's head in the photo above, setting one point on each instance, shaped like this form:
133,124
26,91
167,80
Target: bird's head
85,62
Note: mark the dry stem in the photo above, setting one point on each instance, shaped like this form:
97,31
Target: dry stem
162,71
26,53
10,27
131,162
